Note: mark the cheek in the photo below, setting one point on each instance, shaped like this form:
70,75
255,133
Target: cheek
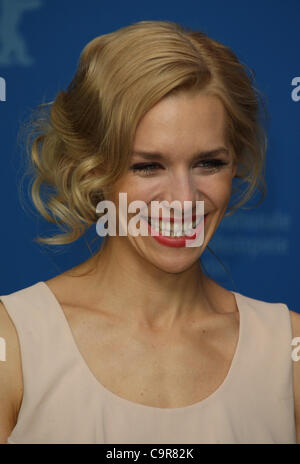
217,189
136,190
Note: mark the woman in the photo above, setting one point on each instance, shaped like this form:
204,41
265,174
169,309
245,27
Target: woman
137,344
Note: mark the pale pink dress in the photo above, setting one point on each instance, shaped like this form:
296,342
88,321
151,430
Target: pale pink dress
63,402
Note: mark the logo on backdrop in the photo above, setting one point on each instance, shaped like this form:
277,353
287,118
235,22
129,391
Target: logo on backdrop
13,49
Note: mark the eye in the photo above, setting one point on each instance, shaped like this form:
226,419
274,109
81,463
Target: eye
145,168
212,165
149,168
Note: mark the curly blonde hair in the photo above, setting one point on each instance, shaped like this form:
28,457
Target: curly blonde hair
81,143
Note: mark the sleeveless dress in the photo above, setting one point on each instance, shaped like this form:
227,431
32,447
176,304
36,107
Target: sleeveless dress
63,402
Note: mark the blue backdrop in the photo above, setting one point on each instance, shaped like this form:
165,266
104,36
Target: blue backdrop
40,43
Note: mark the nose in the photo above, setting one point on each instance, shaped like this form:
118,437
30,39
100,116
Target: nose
181,188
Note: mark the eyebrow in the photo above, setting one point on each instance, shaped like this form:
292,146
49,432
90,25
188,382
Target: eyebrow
205,154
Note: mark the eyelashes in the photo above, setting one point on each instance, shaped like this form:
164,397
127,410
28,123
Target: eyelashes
150,168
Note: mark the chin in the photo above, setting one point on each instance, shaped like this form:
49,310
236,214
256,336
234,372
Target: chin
174,264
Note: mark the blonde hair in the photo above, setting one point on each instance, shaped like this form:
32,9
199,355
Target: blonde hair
81,143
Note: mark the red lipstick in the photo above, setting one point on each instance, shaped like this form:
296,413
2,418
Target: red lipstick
177,242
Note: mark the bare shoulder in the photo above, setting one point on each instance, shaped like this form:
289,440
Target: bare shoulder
295,323
71,284
11,378
221,298
65,288
74,287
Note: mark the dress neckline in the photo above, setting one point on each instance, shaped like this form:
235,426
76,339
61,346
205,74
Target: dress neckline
132,404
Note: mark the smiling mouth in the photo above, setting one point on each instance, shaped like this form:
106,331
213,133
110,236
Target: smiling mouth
175,228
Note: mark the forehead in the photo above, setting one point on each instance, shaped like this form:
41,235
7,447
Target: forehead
182,121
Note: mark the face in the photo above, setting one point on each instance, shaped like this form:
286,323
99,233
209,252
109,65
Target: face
180,128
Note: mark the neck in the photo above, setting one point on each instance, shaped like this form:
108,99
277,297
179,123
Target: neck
141,294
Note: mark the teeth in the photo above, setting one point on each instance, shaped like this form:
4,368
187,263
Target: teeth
174,229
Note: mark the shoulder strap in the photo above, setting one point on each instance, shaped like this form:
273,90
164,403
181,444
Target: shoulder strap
43,340
265,372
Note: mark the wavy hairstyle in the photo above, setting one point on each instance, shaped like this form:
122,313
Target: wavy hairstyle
81,143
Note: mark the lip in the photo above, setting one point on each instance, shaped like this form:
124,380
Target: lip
177,242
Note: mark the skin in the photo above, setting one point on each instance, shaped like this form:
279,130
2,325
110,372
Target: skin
155,296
